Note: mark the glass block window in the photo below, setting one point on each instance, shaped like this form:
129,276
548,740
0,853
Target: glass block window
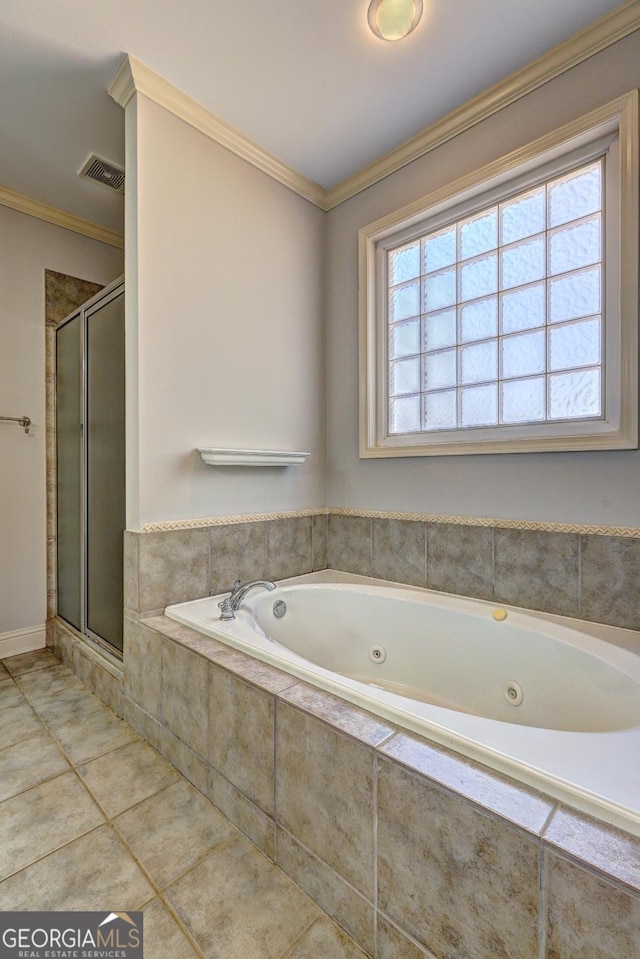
500,312
496,318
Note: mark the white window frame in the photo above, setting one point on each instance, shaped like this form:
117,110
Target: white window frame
617,124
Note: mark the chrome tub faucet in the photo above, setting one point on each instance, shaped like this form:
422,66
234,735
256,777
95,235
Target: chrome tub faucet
231,603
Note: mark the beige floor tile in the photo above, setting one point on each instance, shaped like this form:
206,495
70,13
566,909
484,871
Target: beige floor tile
162,936
251,910
325,940
4,673
173,830
64,705
29,762
42,819
100,732
42,682
94,872
27,662
10,694
125,777
18,723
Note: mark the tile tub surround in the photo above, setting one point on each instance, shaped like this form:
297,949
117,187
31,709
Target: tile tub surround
173,566
589,576
412,849
116,825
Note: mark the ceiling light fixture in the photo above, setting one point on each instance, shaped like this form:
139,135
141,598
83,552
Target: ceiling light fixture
394,19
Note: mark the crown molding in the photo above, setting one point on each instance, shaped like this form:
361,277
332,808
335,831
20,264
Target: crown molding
134,77
68,221
598,36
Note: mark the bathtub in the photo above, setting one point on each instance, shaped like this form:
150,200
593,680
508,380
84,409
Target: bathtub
542,699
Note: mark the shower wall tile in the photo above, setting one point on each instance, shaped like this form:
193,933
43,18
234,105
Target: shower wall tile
237,552
478,886
319,525
324,794
142,666
173,567
610,580
587,916
250,820
289,548
460,559
354,913
349,544
399,551
241,736
185,696
537,570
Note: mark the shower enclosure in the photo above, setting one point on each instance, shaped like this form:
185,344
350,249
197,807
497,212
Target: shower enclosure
90,467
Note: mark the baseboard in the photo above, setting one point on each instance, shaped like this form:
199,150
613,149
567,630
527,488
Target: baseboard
22,641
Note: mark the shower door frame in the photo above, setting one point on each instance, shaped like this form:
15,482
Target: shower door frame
101,299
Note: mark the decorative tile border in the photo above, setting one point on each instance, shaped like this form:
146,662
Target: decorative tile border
228,520
629,532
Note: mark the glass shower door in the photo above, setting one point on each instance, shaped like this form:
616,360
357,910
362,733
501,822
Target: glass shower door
90,458
105,464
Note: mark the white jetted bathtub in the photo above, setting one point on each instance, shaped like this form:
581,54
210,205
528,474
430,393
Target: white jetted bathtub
549,704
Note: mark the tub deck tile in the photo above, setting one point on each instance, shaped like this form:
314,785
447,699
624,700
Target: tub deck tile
358,723
205,645
607,849
485,787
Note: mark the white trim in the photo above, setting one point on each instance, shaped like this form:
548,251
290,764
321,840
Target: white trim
68,221
619,432
593,39
134,77
22,641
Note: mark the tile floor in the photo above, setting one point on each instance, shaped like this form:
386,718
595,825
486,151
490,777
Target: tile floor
93,818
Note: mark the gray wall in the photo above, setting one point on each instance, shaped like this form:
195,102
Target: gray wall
597,488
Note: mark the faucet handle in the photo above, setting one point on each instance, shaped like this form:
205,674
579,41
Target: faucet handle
236,585
227,611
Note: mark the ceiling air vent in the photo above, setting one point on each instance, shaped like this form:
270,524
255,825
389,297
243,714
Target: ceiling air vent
98,169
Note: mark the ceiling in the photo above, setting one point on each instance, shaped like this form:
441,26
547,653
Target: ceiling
308,82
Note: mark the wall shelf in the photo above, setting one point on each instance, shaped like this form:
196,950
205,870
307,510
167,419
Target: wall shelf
213,456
